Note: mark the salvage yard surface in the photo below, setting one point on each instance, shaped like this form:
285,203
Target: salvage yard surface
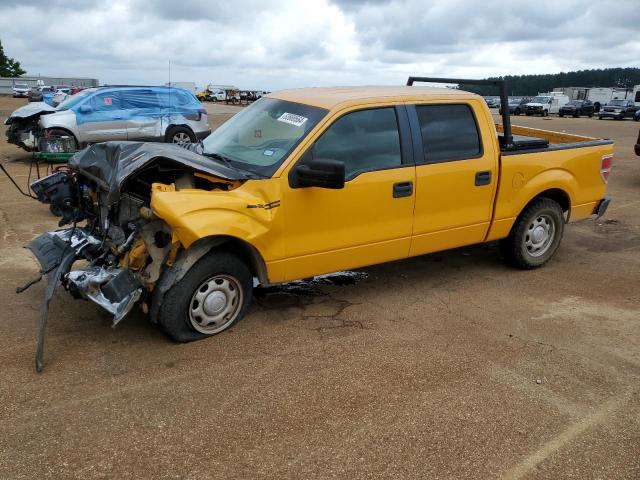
451,365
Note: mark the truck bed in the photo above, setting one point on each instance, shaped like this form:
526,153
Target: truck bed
535,139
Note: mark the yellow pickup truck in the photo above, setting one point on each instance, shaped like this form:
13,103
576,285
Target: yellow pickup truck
305,182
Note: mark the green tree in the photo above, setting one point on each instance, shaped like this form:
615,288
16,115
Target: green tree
8,66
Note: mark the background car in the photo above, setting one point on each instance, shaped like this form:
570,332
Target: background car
636,116
20,90
516,105
36,93
492,102
618,109
60,95
575,108
160,114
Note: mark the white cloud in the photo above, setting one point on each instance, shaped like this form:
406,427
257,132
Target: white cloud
288,43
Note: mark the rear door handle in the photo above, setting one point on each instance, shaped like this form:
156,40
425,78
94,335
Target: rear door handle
402,189
483,178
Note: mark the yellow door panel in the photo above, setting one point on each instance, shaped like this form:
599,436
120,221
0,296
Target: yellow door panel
363,214
454,194
336,260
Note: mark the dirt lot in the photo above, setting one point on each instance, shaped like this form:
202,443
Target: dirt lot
445,366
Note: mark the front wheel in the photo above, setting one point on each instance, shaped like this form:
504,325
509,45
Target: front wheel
213,295
536,235
545,113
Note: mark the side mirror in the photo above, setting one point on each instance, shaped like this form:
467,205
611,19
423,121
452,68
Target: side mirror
85,108
323,173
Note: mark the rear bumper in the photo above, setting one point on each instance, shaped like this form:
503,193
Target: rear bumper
601,208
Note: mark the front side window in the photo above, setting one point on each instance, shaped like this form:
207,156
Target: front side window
262,135
449,132
365,140
106,101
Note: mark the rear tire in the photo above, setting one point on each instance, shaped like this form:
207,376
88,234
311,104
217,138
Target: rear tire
180,135
212,296
535,236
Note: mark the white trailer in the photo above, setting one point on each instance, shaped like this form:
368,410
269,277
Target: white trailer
636,95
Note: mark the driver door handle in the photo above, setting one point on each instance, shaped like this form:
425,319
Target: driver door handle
402,189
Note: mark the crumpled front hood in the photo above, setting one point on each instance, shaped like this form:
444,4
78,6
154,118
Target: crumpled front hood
29,110
109,164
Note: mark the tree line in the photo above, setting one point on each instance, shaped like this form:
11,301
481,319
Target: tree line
529,85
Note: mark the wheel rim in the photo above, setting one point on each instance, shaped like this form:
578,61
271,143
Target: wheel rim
539,235
215,304
181,137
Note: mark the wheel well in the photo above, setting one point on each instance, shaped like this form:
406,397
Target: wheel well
246,252
557,195
166,132
66,130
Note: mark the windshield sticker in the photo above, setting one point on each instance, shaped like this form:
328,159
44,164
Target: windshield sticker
268,152
292,119
108,101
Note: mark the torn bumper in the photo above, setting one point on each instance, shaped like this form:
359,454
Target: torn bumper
114,289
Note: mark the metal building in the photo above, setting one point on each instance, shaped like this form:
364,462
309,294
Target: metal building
6,83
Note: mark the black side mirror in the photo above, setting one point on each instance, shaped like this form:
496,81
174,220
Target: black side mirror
323,173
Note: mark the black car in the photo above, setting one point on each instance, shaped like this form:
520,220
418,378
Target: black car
636,117
618,109
516,105
576,108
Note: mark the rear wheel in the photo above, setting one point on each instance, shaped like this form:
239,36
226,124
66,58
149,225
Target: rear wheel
180,135
536,235
213,295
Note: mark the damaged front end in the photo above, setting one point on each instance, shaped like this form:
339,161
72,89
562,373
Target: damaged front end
105,199
23,125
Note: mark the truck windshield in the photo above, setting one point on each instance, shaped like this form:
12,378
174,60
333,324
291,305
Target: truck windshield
617,103
261,136
540,99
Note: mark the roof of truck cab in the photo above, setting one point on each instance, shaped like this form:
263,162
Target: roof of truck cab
330,97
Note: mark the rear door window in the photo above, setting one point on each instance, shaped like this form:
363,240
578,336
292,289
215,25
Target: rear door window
140,99
365,140
449,132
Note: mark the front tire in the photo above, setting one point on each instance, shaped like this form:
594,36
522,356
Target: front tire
536,235
213,295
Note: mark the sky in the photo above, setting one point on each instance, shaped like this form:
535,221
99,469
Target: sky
275,44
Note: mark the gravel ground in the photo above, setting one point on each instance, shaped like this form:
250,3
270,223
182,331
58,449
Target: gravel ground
451,365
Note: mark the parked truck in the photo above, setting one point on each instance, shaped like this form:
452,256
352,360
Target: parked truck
304,182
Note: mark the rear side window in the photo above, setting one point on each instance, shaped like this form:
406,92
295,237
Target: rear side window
365,140
449,132
140,99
